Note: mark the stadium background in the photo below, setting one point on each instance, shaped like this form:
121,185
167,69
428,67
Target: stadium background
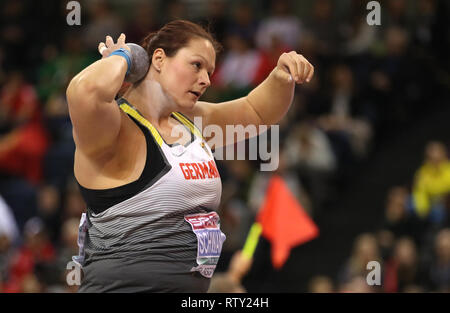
351,148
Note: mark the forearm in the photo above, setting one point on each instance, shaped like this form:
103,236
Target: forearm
101,80
272,98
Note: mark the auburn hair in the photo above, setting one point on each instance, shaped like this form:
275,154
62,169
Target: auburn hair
176,35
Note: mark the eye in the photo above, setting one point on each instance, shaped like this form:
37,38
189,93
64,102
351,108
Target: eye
197,65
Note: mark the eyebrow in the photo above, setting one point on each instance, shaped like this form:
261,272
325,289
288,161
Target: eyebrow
206,61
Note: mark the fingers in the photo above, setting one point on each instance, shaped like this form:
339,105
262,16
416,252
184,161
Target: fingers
109,41
301,70
284,76
109,45
310,73
101,48
297,67
292,66
121,39
308,69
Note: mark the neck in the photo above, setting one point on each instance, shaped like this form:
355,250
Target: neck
151,101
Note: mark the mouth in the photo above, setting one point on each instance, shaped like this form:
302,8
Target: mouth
195,93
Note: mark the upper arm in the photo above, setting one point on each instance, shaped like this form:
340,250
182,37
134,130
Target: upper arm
96,124
237,114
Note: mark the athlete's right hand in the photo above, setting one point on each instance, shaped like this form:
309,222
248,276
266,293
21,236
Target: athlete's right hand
107,47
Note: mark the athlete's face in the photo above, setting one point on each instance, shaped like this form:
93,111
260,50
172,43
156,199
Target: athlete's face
186,75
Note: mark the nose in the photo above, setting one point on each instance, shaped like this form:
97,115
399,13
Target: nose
204,79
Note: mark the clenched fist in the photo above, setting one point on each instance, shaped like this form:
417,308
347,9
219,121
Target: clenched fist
292,66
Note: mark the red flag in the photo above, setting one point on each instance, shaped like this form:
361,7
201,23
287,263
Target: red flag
284,222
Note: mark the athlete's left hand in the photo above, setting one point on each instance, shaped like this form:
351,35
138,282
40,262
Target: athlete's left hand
295,67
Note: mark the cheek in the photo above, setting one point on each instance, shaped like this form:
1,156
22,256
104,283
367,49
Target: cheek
180,78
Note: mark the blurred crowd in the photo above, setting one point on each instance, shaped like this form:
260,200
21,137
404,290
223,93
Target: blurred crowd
412,245
370,81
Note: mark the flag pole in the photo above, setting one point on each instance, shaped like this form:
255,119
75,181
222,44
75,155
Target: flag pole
252,240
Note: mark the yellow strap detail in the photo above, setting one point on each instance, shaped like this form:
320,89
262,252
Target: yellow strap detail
189,124
127,109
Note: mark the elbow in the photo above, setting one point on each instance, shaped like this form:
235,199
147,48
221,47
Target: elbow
81,84
80,87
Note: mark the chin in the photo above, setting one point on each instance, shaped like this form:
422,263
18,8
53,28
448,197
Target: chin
187,104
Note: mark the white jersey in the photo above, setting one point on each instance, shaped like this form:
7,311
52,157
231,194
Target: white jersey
171,217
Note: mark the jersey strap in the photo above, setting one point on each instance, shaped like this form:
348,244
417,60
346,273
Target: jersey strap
127,108
180,117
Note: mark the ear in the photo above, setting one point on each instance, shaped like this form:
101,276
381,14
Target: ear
158,59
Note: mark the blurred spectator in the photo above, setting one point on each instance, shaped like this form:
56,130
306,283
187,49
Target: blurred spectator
400,221
440,267
243,22
358,35
23,139
36,251
432,183
31,284
424,22
103,21
324,27
174,9
48,79
307,146
216,19
6,253
281,26
397,14
321,284
357,284
397,91
239,66
55,74
49,209
346,116
365,249
142,22
268,61
15,28
403,270
60,66
413,289
8,225
67,248
310,156
68,241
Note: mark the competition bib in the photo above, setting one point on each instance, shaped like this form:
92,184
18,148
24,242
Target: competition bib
206,226
79,259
